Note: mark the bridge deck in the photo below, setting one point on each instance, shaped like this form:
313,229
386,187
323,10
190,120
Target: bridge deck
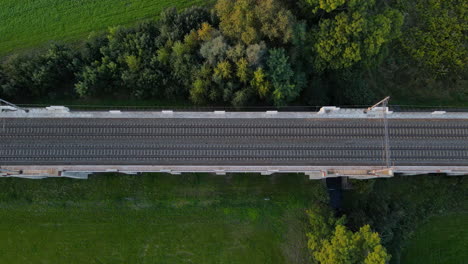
298,141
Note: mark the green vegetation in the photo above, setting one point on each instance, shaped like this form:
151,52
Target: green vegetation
442,240
396,207
157,218
238,218
262,52
332,242
27,24
352,32
437,36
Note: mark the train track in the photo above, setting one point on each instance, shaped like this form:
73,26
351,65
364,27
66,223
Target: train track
230,141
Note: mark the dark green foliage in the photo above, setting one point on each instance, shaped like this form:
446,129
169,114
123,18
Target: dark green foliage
436,37
352,31
42,75
3,80
318,92
352,88
281,75
395,207
99,79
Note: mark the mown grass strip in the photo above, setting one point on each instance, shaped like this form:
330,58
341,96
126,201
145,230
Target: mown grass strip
27,24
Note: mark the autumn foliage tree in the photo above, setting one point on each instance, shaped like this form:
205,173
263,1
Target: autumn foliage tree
330,242
254,20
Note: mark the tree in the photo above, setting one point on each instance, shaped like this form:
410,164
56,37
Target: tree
243,70
256,54
254,20
214,50
322,223
44,75
198,91
436,38
352,31
260,83
223,70
241,97
331,242
281,75
347,247
147,82
177,63
101,78
173,25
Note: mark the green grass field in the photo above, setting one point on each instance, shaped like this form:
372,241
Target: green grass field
442,240
156,218
30,24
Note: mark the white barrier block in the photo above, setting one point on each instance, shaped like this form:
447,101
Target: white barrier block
439,112
380,109
314,175
7,108
58,108
328,109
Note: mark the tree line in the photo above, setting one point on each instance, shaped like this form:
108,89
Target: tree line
249,52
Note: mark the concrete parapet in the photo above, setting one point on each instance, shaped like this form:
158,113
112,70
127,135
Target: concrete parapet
313,172
326,112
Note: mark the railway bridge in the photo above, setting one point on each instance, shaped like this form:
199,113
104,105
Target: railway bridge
57,142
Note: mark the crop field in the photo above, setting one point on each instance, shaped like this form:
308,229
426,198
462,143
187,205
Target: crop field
156,218
442,240
30,23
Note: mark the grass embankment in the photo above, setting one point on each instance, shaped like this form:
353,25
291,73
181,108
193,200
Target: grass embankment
442,240
29,24
156,218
